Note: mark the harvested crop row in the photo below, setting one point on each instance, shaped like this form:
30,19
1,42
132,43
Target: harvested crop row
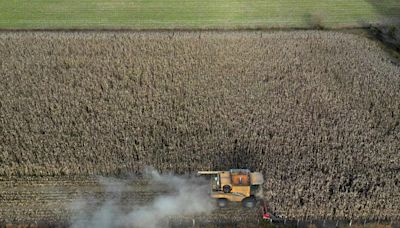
317,112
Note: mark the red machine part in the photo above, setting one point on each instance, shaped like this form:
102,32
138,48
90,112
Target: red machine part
265,214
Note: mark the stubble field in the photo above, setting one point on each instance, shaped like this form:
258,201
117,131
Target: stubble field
317,112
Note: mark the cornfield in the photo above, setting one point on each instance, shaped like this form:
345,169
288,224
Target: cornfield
317,112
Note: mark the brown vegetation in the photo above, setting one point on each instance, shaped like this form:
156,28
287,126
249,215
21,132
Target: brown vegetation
317,112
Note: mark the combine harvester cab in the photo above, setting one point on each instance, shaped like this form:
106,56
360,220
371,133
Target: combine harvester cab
235,185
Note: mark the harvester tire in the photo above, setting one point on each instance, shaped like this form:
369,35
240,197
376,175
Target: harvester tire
249,202
222,203
227,188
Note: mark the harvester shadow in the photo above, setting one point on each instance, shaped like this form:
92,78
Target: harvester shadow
242,157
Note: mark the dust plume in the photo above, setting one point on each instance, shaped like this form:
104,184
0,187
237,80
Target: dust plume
185,196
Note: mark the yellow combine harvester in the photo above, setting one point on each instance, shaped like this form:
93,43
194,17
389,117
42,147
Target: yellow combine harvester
236,185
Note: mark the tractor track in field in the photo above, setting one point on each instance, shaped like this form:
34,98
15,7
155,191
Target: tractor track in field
344,28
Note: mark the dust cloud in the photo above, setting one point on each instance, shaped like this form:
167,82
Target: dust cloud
187,196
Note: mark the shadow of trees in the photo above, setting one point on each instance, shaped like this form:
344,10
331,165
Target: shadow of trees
388,31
